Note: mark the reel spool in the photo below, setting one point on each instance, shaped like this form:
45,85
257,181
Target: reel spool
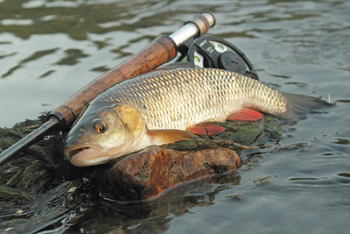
214,52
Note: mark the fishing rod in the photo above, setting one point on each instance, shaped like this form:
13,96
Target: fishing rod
161,50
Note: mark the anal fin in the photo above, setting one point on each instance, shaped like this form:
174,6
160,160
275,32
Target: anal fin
159,137
246,114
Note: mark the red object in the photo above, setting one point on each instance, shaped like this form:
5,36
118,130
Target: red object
246,114
206,128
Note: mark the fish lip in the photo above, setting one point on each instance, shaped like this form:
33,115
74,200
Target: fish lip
76,150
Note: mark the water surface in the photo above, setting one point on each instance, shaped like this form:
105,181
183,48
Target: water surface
51,49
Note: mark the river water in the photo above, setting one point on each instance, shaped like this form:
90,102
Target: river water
50,49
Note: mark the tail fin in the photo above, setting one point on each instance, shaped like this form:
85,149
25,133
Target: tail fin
301,104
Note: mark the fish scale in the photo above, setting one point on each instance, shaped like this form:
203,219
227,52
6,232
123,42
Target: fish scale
180,98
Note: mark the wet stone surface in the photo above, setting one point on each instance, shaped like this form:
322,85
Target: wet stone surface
153,170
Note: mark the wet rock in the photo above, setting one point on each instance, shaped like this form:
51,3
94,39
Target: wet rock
153,170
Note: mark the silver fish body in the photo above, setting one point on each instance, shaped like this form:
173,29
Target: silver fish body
181,98
159,107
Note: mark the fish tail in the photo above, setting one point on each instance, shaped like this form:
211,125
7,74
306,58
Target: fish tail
301,104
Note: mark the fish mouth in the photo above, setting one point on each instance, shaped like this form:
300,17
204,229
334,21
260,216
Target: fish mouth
85,155
76,151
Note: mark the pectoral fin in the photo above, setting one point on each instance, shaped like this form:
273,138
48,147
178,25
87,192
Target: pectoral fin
246,114
159,137
206,128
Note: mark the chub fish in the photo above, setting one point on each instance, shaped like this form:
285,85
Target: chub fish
167,106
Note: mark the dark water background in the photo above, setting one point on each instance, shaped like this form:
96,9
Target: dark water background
51,49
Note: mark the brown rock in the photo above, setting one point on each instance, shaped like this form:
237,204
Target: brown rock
153,170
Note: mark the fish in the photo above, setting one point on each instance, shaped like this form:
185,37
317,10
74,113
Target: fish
172,105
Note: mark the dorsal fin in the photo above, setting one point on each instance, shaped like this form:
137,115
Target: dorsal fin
176,65
172,66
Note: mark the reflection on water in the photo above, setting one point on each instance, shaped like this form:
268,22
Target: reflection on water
49,49
342,141
154,216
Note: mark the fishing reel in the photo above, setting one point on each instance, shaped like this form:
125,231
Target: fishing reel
214,52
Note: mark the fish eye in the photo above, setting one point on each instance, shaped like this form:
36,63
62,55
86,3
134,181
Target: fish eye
100,126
